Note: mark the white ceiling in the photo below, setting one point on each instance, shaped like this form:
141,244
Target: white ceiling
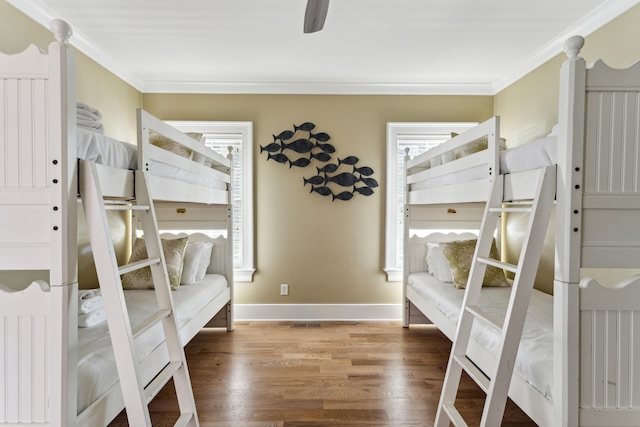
366,46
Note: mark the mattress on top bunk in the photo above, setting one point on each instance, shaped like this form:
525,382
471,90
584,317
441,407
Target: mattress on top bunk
534,362
104,150
532,155
97,370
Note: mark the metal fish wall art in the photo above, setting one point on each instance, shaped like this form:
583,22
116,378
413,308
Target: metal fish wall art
330,180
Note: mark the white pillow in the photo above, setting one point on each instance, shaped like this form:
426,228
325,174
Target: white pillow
437,263
205,259
191,263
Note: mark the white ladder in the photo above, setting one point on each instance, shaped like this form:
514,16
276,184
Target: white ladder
136,395
496,384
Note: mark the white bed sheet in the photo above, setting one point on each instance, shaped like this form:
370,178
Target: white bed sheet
534,362
101,149
532,155
97,370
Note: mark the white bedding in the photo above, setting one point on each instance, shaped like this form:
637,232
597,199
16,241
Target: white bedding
532,155
534,362
96,364
101,149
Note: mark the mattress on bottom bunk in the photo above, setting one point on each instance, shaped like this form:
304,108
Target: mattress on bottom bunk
101,149
97,370
534,362
532,155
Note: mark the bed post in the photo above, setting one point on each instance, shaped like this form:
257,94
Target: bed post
568,230
405,253
229,257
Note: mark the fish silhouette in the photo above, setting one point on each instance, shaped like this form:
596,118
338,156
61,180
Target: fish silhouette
323,191
351,160
271,148
321,137
330,168
364,170
322,157
314,180
299,146
345,195
306,126
280,158
283,136
344,179
301,162
327,148
365,191
369,182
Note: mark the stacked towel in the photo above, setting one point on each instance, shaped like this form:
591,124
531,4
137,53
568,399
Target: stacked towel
89,118
91,309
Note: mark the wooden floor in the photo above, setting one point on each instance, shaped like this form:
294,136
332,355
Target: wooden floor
320,374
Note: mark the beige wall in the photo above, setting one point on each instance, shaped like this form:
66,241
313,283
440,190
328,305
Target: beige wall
328,252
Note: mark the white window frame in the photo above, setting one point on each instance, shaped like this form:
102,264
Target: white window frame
396,133
244,130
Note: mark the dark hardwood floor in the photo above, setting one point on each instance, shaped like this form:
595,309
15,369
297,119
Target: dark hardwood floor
316,374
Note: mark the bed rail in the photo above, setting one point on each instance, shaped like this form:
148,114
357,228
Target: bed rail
467,177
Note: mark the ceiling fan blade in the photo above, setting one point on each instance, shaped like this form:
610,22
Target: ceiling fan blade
315,15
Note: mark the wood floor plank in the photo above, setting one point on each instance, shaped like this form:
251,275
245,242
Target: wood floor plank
272,374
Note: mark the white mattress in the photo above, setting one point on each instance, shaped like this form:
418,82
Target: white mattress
532,155
534,362
101,149
97,370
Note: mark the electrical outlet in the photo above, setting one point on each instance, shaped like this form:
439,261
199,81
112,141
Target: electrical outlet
284,289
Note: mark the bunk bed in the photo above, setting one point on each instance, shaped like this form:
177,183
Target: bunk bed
53,372
578,361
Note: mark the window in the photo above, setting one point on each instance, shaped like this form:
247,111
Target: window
417,138
238,135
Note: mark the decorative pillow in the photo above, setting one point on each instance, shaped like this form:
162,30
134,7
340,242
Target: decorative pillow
460,254
169,145
205,260
191,262
437,263
475,146
173,250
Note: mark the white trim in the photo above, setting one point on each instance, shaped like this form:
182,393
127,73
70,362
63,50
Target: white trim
396,131
327,312
607,11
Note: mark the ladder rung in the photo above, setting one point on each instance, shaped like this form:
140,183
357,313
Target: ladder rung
137,265
454,416
184,419
482,314
150,321
524,210
476,374
126,207
503,265
160,380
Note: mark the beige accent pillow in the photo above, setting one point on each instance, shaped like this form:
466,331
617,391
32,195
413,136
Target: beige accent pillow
173,250
460,255
169,145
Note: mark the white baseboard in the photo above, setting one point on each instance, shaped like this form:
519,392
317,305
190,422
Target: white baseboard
327,312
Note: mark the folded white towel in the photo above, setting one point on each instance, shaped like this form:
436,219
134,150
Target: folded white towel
91,125
92,318
85,107
89,300
88,115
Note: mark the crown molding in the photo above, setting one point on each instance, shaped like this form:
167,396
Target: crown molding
606,12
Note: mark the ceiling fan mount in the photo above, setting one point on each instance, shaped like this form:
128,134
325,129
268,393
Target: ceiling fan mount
315,15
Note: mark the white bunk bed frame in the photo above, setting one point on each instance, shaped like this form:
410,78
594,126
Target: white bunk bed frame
596,330
38,220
